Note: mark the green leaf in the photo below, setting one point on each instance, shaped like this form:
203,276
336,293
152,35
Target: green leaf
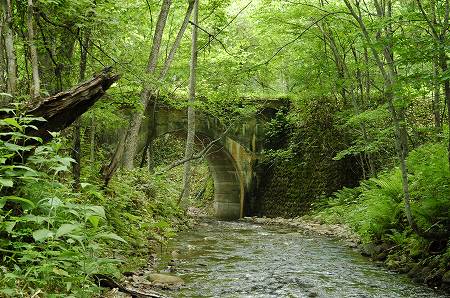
96,210
9,226
111,236
25,203
52,202
84,185
35,219
17,148
42,234
6,182
66,229
60,271
94,220
61,168
78,238
13,122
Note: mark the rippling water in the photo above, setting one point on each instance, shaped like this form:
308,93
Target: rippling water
234,259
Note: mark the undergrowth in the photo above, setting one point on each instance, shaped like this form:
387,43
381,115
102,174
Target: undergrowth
53,239
375,209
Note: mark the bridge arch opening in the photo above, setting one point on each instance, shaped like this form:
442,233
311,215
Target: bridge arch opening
228,186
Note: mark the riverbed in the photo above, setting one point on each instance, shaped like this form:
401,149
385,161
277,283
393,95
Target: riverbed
238,259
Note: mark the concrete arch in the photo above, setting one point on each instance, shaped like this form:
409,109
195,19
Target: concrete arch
229,186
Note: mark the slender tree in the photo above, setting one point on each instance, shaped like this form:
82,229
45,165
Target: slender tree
76,151
9,47
189,152
3,65
36,86
165,69
136,120
389,74
439,31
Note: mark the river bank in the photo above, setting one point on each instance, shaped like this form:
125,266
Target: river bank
338,231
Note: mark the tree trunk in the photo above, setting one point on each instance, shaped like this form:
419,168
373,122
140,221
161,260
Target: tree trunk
148,93
436,105
444,67
36,86
344,75
63,68
177,42
3,65
136,121
151,134
440,38
9,48
93,128
108,170
76,150
162,75
190,139
398,118
62,109
76,155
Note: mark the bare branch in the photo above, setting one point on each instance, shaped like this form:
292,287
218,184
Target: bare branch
199,155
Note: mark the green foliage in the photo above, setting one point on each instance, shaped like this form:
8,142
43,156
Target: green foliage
48,240
141,208
55,239
430,187
375,210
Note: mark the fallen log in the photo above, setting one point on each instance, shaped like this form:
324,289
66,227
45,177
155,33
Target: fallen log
62,109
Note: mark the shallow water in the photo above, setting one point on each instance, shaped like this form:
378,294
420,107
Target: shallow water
235,259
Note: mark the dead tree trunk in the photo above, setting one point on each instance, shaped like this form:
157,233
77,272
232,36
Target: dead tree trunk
62,109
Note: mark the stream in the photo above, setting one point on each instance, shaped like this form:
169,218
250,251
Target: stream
237,259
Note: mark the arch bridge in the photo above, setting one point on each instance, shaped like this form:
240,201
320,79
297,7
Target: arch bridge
232,157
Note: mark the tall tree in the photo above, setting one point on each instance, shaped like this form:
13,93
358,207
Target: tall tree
36,86
389,74
76,151
162,75
2,54
190,139
9,47
439,31
147,92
